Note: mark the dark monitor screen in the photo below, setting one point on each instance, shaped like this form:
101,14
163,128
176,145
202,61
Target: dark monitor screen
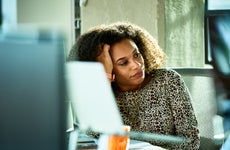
216,27
219,42
32,113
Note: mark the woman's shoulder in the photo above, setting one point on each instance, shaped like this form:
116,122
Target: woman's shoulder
167,72
166,75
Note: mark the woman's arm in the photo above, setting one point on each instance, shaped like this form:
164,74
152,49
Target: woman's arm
106,60
185,121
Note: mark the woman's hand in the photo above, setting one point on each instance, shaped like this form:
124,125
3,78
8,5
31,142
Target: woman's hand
105,59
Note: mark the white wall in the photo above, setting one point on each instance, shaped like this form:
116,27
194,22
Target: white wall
176,24
9,14
48,14
145,13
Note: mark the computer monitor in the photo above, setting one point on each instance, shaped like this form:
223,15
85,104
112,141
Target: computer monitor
32,91
216,26
219,43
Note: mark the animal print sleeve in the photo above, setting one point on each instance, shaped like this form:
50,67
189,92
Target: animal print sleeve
184,117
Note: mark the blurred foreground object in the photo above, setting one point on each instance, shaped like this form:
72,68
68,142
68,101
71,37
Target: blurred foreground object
32,91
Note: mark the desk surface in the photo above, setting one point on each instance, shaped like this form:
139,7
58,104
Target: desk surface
134,145
84,142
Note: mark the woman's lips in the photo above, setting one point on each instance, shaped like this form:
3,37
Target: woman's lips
138,74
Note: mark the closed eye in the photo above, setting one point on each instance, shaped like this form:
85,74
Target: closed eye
123,63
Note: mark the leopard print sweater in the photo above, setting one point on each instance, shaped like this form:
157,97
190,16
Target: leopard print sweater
163,106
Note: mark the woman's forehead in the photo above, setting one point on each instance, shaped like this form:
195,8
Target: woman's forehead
123,49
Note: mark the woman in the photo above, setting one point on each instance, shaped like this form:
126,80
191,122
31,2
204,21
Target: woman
150,98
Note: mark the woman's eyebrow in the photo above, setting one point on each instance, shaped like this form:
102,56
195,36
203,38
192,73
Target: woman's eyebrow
135,50
122,58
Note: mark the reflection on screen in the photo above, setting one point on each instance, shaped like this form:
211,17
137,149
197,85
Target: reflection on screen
220,37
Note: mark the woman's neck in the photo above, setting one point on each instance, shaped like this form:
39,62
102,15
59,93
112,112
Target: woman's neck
134,88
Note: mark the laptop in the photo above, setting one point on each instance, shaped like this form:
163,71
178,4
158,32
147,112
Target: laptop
32,91
94,103
92,99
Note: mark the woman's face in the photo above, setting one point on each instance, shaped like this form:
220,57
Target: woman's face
128,65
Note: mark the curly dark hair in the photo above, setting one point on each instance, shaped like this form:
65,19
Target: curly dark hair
90,44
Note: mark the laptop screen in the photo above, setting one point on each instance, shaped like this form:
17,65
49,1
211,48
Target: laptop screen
92,98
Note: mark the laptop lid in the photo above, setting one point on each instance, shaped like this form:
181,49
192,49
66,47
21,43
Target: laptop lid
92,98
32,91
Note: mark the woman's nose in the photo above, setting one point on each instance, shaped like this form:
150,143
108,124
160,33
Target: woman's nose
135,64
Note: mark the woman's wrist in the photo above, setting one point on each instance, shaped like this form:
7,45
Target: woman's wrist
110,76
